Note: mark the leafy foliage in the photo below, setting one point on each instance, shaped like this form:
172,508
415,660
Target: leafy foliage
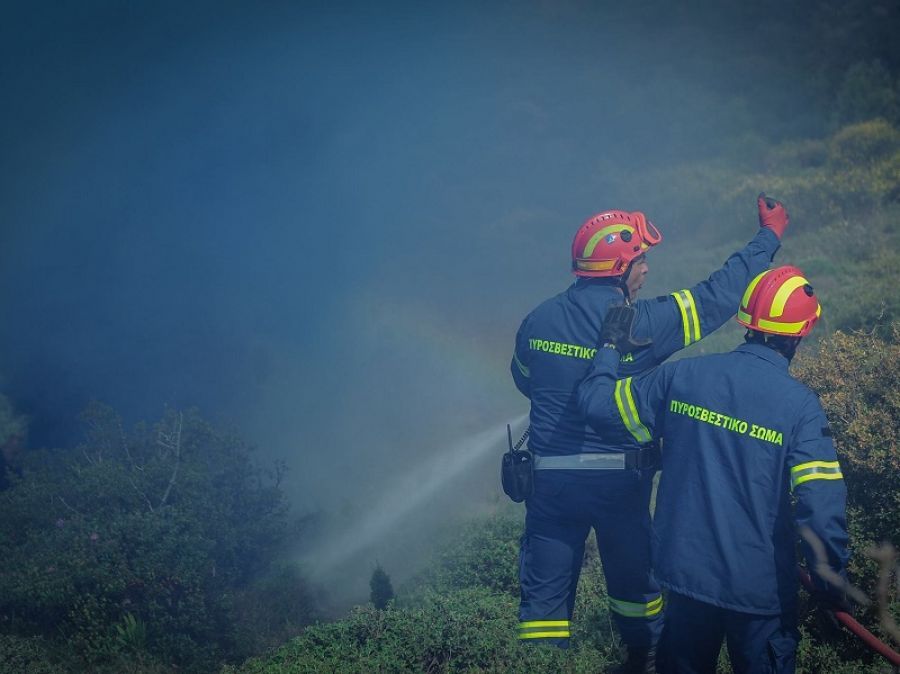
12,424
273,608
27,655
867,90
139,542
857,377
381,589
461,616
13,429
480,553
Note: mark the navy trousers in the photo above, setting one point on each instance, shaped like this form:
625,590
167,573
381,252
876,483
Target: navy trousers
562,510
694,630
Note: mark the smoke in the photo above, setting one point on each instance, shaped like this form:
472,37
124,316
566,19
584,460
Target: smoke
323,222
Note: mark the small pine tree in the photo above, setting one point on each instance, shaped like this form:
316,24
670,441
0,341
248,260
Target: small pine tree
382,590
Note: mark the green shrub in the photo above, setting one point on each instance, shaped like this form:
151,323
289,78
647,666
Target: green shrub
469,630
863,144
480,553
28,655
273,608
382,591
460,616
12,424
842,655
867,91
857,377
139,544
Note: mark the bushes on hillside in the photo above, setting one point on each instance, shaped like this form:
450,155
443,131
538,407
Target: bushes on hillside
381,589
481,553
27,655
138,544
867,90
843,177
13,429
12,424
460,616
857,377
471,630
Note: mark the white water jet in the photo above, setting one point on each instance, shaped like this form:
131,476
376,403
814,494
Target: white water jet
408,493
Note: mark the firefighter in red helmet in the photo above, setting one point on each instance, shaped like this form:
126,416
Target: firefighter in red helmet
581,479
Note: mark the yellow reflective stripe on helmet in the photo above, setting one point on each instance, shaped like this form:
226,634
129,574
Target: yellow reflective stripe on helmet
747,318
749,291
526,372
631,609
600,234
594,265
782,328
628,411
689,318
784,292
815,470
544,629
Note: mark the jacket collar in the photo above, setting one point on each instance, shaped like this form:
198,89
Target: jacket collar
600,287
767,354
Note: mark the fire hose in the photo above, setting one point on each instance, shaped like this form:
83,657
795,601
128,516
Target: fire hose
872,642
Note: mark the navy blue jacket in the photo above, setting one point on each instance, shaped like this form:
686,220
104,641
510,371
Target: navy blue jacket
556,341
740,437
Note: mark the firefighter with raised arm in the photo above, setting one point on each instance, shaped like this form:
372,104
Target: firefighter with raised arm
582,480
742,439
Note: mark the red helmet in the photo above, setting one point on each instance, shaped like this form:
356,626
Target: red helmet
608,242
780,301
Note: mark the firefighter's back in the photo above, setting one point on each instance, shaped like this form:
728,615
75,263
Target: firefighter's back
561,335
723,511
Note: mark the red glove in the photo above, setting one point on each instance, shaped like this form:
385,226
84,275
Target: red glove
772,215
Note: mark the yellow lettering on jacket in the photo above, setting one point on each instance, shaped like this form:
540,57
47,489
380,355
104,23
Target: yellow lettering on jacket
732,424
562,349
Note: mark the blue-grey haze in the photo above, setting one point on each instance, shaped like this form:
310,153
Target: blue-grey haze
322,221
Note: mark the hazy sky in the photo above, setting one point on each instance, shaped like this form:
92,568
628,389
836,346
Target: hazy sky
322,222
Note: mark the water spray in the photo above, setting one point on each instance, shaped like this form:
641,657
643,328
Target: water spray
406,496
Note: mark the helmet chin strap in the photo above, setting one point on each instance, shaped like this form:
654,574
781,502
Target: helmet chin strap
623,283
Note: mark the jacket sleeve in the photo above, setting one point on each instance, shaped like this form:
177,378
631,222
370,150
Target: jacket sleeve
521,373
686,316
623,411
820,496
